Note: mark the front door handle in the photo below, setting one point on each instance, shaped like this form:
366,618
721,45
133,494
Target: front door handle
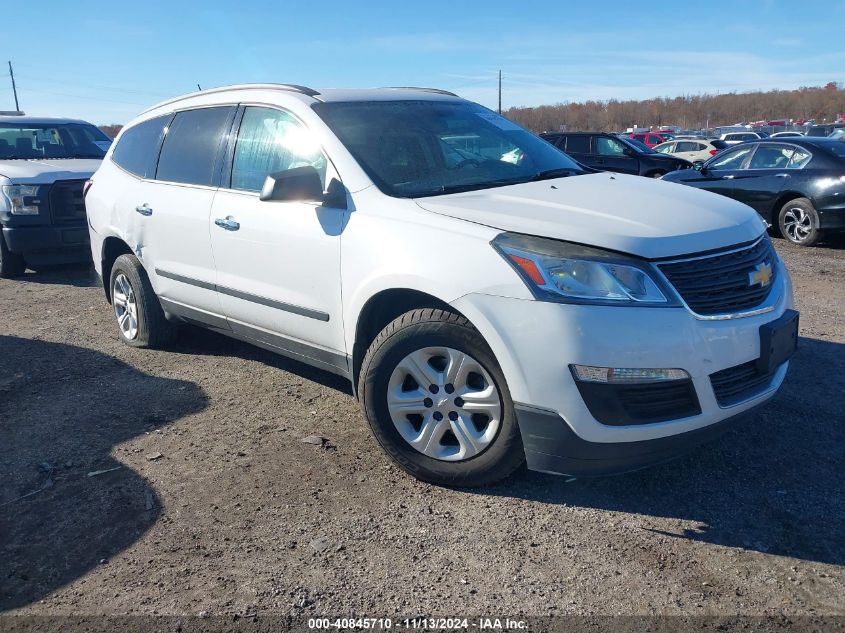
729,177
144,209
227,223
781,175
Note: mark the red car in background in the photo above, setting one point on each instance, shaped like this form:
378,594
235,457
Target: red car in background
651,139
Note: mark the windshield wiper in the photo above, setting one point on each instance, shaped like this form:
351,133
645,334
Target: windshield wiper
548,174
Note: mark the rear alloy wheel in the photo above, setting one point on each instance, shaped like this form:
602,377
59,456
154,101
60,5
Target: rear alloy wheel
799,223
137,310
437,402
11,264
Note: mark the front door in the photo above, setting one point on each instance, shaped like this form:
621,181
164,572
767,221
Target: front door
611,155
720,172
278,263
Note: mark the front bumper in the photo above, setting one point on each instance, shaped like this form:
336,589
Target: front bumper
536,342
552,447
70,242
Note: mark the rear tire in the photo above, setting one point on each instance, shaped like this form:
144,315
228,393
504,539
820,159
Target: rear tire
798,222
475,441
11,264
138,313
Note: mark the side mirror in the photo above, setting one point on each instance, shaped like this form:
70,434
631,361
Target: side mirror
698,165
629,152
299,183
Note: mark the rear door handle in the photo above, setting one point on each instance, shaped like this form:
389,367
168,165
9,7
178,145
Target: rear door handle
144,209
227,223
730,177
781,175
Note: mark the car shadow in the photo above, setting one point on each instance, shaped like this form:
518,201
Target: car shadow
66,503
76,275
774,484
203,342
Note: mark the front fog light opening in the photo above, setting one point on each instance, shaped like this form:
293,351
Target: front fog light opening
626,375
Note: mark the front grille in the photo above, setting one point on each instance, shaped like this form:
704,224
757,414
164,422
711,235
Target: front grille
735,384
620,405
67,203
720,283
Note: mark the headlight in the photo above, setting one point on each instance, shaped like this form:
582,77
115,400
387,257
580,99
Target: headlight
571,273
22,199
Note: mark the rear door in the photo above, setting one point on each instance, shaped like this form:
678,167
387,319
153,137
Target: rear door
611,155
578,146
759,184
174,208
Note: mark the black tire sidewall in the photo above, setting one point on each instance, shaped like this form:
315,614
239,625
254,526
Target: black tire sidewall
807,206
132,269
496,461
11,264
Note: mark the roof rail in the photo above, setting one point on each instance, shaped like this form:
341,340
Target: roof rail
436,90
265,86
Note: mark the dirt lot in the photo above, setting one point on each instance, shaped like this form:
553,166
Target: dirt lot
212,503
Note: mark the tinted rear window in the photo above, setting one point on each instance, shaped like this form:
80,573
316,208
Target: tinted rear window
191,146
137,147
578,144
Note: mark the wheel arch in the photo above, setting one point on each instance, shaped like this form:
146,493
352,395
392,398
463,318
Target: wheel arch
781,200
379,310
113,247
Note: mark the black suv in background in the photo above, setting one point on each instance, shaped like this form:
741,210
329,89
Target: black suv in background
607,152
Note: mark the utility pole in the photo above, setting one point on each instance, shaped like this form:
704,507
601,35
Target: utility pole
14,88
500,91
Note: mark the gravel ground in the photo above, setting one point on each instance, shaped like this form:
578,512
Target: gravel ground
176,482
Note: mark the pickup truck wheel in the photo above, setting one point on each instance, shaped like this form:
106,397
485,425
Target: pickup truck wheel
437,402
11,264
799,223
138,314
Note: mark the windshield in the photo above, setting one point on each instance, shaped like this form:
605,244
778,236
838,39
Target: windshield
51,140
413,149
637,145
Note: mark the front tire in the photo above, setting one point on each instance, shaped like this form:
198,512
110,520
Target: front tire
437,402
140,319
11,264
798,222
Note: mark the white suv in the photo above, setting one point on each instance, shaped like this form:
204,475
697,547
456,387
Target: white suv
491,301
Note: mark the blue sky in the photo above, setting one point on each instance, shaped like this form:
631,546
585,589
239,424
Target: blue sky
106,61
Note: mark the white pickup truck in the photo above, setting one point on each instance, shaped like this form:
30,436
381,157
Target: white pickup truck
44,164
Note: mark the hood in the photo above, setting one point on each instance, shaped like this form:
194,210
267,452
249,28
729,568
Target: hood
47,171
630,214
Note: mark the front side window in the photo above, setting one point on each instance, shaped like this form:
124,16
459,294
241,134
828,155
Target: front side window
191,146
51,140
731,160
270,141
136,151
609,146
666,148
419,148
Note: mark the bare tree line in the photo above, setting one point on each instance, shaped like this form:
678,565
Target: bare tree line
690,111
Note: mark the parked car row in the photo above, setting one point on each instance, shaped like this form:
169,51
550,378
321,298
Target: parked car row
796,183
612,153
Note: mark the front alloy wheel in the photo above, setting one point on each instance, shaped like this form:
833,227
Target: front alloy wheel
437,401
444,403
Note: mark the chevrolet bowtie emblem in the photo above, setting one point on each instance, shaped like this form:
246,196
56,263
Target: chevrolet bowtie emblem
761,275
